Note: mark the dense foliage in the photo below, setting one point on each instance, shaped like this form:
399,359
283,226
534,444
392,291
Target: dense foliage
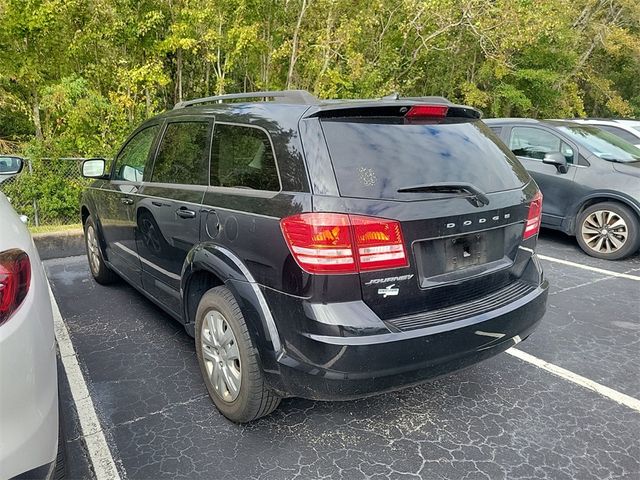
77,75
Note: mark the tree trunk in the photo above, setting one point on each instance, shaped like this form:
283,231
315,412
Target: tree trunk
179,75
207,75
294,46
35,109
147,97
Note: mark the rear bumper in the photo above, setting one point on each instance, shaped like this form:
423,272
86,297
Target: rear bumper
326,367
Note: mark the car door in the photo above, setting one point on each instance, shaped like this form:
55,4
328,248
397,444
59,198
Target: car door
168,209
115,203
530,145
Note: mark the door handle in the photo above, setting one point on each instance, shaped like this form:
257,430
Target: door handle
160,204
126,201
185,213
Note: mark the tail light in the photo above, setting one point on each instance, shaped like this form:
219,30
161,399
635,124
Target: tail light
534,219
418,111
15,278
340,243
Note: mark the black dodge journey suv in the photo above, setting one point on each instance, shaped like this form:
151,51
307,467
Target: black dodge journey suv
321,249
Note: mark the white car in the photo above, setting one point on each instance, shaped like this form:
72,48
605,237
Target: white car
628,130
28,378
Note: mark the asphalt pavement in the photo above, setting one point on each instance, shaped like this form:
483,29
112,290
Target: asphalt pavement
504,418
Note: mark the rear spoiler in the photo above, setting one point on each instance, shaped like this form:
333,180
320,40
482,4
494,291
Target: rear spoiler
398,108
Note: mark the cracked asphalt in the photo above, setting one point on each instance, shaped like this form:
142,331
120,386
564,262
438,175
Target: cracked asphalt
503,418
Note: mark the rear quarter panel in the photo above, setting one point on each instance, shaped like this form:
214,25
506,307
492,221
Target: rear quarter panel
28,379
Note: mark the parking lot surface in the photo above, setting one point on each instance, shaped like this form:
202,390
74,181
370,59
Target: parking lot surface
504,418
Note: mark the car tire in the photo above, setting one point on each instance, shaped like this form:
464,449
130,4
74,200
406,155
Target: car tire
229,360
99,269
608,230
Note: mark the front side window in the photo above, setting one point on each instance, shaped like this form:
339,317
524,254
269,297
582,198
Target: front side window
183,154
602,144
242,157
536,143
132,158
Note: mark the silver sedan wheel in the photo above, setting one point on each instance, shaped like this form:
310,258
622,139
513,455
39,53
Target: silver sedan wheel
221,355
92,247
604,231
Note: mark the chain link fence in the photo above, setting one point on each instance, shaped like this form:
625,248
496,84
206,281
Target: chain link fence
47,191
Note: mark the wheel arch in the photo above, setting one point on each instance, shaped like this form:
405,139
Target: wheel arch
594,198
209,265
87,209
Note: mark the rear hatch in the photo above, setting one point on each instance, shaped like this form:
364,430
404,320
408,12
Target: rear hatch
458,194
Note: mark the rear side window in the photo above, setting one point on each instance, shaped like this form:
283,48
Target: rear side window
374,158
132,158
183,154
536,143
242,157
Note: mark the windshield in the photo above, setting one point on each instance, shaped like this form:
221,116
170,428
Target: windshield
376,157
603,144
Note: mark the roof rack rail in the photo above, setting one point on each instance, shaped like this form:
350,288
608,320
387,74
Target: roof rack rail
285,96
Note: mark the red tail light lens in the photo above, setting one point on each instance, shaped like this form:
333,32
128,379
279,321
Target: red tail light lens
15,278
341,243
320,242
427,111
534,219
379,242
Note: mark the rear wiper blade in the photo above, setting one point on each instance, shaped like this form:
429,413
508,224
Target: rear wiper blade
450,187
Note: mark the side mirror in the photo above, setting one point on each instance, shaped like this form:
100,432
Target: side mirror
10,165
557,159
93,168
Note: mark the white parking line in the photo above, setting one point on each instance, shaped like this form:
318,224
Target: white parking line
577,379
99,453
592,269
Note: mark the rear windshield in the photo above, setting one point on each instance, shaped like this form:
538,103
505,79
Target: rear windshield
603,144
374,158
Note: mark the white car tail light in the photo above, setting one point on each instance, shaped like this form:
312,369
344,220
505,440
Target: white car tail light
15,279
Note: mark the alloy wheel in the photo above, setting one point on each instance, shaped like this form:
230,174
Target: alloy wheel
94,254
604,231
221,355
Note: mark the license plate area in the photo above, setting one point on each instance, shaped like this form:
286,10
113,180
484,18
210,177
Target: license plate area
455,258
466,251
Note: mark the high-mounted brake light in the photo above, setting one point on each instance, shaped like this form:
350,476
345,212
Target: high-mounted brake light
427,111
534,219
15,278
340,243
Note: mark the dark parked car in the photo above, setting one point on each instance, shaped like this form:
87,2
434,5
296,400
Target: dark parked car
327,250
590,179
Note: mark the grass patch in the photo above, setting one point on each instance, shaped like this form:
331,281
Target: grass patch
54,228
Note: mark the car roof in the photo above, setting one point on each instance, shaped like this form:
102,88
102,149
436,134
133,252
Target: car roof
608,121
532,121
300,103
